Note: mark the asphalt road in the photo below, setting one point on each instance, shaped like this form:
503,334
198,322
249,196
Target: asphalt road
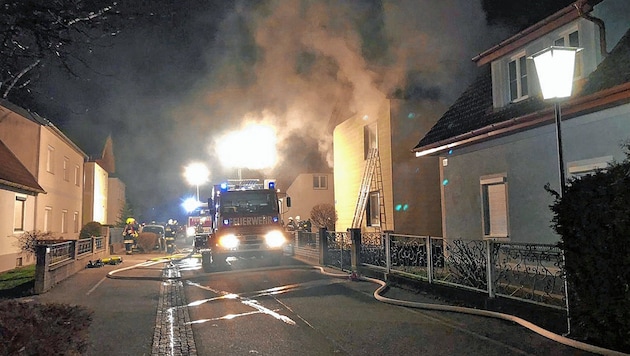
158,308
298,310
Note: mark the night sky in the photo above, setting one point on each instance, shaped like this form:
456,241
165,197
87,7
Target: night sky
188,71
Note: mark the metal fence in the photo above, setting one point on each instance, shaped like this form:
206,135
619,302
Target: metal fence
70,250
528,272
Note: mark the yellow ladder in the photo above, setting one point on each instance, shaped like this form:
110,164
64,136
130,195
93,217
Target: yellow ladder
372,166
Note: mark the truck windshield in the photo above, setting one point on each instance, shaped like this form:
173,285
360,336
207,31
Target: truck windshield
249,201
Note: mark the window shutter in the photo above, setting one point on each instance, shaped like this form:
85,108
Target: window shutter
497,209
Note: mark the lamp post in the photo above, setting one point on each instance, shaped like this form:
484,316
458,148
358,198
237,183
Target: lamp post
196,174
555,66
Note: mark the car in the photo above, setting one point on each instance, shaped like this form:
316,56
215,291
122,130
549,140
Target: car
158,230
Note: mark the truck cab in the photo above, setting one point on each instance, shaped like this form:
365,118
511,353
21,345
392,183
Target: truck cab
246,223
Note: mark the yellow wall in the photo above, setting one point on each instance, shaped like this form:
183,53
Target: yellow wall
62,195
348,146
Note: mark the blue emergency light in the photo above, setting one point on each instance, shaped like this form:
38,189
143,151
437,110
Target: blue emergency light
224,187
272,185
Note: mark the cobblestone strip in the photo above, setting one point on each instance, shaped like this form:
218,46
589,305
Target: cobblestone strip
173,332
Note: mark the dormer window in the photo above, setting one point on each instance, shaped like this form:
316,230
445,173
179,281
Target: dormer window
517,71
572,39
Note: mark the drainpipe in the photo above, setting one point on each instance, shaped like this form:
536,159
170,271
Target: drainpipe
584,7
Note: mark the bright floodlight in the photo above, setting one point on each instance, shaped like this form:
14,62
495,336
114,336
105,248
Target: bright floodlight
196,173
555,66
190,204
254,147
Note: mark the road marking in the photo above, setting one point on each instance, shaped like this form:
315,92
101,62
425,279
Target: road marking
95,286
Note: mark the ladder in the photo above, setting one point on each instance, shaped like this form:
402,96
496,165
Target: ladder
372,178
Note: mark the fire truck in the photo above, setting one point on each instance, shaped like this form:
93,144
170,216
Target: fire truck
246,222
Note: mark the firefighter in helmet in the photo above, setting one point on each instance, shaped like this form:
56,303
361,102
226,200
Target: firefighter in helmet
130,234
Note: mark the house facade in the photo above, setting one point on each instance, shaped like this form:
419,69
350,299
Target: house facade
48,184
307,191
497,144
18,190
407,200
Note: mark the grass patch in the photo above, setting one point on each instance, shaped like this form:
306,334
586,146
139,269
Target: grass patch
17,282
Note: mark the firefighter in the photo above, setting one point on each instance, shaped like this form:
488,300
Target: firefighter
291,226
130,234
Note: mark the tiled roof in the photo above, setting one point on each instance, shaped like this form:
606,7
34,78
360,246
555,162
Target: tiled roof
13,173
473,111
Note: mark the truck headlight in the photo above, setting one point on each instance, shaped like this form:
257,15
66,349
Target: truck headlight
190,231
275,238
228,241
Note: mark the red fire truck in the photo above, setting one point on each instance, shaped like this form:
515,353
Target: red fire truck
246,222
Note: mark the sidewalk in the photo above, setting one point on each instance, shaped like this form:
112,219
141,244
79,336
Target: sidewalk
124,309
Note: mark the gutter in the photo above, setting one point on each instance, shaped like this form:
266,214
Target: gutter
560,18
579,106
22,187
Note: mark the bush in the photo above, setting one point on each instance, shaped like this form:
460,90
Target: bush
593,220
28,328
28,240
93,228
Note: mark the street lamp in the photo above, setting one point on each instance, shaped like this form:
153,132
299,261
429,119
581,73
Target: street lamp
555,67
196,174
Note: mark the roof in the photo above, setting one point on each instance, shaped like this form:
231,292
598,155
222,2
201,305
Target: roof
472,116
14,175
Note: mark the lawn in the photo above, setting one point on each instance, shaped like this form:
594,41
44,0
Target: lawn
17,282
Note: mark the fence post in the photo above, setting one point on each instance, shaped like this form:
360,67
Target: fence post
429,259
323,245
490,268
355,248
41,269
93,241
387,240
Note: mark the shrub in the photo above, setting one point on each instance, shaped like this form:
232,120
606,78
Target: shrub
28,240
93,228
28,328
593,219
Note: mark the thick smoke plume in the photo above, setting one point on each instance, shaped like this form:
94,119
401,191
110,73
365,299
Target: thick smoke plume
178,84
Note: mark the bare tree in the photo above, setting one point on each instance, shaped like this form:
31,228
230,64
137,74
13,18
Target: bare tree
35,33
324,215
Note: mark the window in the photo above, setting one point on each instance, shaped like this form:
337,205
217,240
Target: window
77,175
50,160
320,182
64,217
373,210
588,166
494,206
47,218
18,213
517,72
75,221
66,174
370,139
572,39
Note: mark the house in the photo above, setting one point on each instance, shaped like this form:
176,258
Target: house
18,189
307,191
404,194
43,180
104,193
497,144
